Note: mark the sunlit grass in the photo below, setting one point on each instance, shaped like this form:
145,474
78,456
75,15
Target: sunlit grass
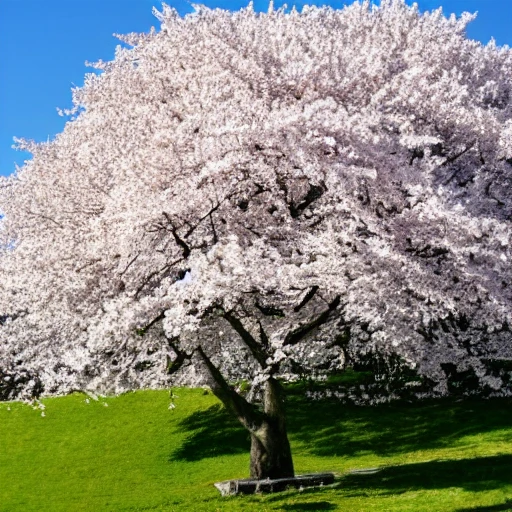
136,454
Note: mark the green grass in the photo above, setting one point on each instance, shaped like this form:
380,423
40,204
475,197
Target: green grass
137,455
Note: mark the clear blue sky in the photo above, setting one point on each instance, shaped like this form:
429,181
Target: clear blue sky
44,44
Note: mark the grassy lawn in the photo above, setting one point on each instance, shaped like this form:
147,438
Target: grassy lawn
131,453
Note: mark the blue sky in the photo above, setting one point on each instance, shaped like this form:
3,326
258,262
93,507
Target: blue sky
44,44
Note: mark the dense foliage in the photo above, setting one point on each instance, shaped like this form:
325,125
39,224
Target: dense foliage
268,195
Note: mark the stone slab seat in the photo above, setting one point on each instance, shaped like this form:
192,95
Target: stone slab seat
249,486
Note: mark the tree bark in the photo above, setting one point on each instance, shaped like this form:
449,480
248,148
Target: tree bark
271,455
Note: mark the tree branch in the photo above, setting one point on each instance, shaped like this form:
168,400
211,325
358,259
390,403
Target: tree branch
263,336
248,414
166,269
306,298
129,264
145,329
256,349
181,357
177,238
454,157
215,239
209,214
300,332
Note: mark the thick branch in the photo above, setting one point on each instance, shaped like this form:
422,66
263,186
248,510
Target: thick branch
263,336
306,298
270,310
181,357
256,349
248,414
300,332
145,329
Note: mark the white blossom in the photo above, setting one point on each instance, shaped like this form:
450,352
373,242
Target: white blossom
303,174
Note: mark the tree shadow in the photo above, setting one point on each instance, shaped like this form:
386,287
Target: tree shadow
332,429
502,507
475,475
213,433
472,474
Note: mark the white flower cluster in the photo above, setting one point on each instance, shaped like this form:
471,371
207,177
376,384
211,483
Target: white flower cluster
274,193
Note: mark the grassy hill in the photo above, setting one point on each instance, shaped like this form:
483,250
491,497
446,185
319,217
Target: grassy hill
132,453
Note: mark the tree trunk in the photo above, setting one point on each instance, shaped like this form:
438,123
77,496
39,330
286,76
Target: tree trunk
271,455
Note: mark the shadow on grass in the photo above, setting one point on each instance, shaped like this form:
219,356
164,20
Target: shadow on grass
332,429
475,475
213,433
492,508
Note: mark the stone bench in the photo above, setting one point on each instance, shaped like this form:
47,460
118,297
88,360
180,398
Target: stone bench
250,486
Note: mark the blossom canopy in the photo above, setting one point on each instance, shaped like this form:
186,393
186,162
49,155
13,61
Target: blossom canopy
266,194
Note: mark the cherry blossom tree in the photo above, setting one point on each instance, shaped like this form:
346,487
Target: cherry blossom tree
248,195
